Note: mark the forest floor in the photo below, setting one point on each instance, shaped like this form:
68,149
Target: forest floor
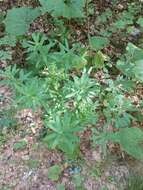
26,167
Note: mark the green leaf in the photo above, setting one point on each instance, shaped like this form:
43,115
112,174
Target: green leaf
60,187
68,8
54,172
98,42
140,21
62,133
99,60
8,40
18,20
130,140
20,145
5,55
138,70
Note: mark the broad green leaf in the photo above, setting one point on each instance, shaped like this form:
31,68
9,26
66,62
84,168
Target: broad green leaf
18,20
68,8
98,42
131,140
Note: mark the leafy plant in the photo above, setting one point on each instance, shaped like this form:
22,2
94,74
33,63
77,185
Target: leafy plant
18,20
61,82
8,40
132,65
38,50
62,133
83,89
63,8
68,58
5,55
130,140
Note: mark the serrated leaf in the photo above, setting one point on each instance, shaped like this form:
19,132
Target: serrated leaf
69,9
18,20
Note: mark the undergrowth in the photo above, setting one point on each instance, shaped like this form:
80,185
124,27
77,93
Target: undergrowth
61,77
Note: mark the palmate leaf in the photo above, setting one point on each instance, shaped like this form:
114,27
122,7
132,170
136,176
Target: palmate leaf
18,20
65,8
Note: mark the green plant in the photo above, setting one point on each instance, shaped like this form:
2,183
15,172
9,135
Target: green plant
117,110
61,81
37,50
130,140
54,172
18,20
98,43
20,145
60,187
63,8
5,55
131,66
8,40
78,182
134,182
68,58
83,89
32,164
62,133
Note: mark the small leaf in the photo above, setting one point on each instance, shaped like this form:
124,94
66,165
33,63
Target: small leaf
99,60
20,145
54,172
